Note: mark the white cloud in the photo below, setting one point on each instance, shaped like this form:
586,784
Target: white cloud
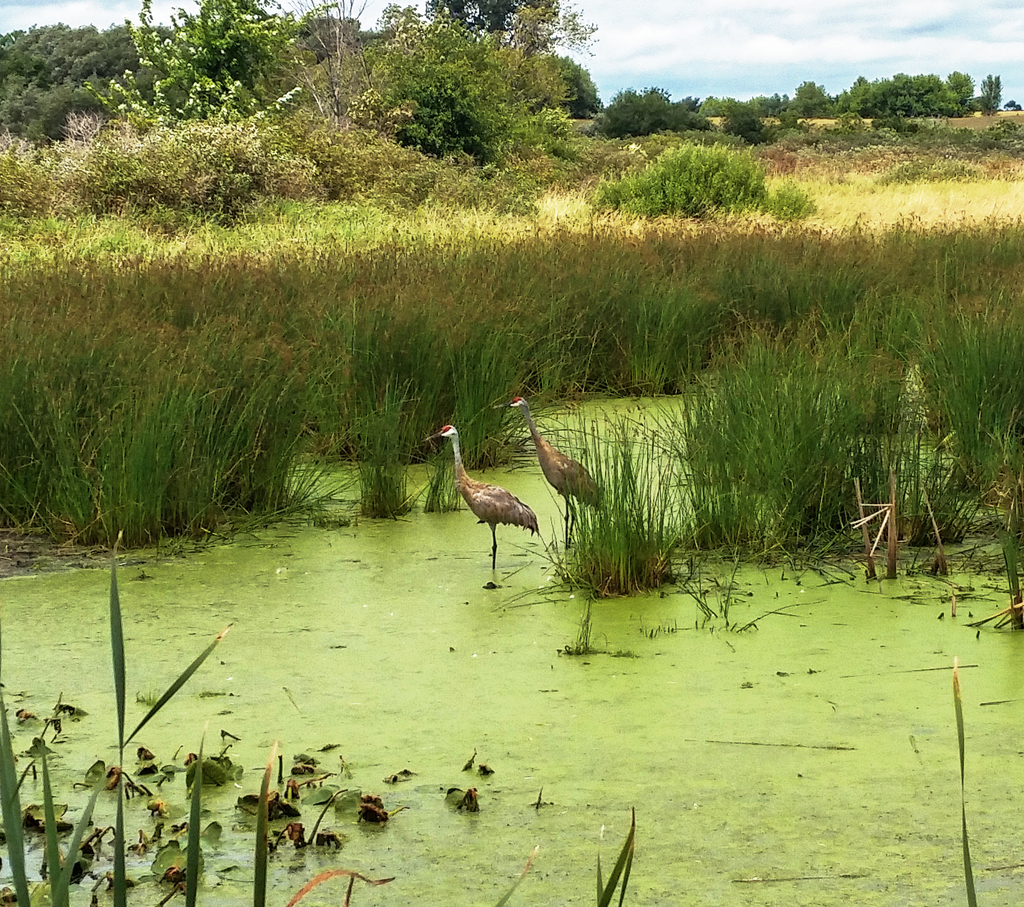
735,48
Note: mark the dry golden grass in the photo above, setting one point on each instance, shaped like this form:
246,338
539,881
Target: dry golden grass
862,202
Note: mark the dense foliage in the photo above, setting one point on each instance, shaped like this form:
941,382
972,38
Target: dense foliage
632,113
44,73
696,181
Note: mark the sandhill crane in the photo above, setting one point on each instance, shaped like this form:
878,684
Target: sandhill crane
569,478
490,504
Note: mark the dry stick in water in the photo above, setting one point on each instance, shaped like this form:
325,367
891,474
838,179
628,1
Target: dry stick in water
885,511
863,521
940,558
890,570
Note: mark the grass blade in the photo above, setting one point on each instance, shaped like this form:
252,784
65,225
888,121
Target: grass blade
194,818
179,683
58,894
621,870
10,806
117,649
259,888
972,897
120,869
63,884
508,894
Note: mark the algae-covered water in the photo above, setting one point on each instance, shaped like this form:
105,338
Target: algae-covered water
810,759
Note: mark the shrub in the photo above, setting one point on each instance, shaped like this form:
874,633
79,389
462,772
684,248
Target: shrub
211,169
693,181
25,187
789,202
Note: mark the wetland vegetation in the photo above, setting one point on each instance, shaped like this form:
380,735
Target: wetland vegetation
171,373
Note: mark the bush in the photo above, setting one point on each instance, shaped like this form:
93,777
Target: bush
789,202
211,169
25,187
694,181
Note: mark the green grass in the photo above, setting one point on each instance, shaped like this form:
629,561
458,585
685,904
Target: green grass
180,393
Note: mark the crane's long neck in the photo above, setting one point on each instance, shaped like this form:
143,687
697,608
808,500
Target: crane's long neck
460,470
537,439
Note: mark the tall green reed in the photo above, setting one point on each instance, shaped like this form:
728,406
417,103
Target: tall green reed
772,441
974,375
625,544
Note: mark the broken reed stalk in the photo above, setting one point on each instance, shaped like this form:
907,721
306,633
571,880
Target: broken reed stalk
940,566
890,565
864,532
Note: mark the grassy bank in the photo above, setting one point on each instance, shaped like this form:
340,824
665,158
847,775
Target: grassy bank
161,385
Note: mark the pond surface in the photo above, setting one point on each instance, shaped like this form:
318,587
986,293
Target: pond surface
808,760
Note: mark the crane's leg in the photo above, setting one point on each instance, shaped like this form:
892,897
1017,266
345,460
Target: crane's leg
494,546
567,529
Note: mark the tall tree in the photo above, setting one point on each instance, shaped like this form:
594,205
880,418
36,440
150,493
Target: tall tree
961,87
811,100
532,26
582,101
991,94
437,87
330,66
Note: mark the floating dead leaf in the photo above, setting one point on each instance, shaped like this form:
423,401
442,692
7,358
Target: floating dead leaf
404,775
371,809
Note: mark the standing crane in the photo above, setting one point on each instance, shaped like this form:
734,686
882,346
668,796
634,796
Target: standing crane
569,478
490,504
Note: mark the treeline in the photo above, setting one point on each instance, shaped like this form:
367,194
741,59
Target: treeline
889,103
488,79
444,84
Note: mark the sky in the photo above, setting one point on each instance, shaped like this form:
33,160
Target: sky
725,48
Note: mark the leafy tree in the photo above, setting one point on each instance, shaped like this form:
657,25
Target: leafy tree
476,15
582,101
217,64
772,106
43,72
811,100
543,26
961,87
900,96
438,88
743,119
991,94
1011,105
632,113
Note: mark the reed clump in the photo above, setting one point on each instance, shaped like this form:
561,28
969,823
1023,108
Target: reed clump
626,543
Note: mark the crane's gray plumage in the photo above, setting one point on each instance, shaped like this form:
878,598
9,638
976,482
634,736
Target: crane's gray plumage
569,478
490,503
